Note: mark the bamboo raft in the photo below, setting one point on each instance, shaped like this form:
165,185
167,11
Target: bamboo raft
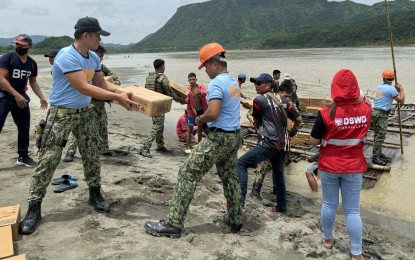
301,149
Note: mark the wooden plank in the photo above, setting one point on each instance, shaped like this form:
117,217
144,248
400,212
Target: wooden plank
404,131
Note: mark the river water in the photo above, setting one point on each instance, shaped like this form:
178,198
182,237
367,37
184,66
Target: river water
313,70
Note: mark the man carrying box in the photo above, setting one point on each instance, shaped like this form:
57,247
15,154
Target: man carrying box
77,77
158,82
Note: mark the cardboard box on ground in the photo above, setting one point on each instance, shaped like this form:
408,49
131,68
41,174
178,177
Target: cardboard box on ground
17,257
6,242
9,227
150,103
11,216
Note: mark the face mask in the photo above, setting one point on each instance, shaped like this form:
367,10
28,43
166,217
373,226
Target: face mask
21,51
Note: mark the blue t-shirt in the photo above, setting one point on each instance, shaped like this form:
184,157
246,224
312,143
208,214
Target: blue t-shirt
68,60
384,96
224,87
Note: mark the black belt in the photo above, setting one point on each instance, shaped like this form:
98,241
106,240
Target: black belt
215,129
383,111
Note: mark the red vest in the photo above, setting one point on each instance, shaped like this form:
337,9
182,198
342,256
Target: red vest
341,149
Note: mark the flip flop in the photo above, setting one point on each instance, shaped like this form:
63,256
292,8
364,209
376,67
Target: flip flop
58,181
66,185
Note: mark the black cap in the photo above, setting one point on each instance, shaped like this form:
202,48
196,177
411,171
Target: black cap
23,39
52,53
264,77
90,24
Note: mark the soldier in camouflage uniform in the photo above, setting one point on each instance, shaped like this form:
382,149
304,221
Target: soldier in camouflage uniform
219,147
385,94
101,117
74,71
265,166
158,82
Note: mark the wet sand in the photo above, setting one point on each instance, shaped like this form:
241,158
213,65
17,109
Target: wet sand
139,189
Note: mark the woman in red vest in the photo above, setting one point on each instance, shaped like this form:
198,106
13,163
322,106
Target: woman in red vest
341,131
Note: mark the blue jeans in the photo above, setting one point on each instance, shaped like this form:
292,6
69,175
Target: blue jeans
21,117
259,154
350,186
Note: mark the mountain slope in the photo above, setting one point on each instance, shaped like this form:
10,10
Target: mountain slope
280,23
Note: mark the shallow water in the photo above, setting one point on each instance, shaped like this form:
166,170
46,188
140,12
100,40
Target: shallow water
313,70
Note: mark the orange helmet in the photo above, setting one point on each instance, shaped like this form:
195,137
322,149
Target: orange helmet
388,74
208,51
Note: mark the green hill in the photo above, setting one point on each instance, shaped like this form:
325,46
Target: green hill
262,24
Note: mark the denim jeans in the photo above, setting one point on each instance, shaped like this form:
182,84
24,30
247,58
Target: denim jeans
21,117
350,186
259,154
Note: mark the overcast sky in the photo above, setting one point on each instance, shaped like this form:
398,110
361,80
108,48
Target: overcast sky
129,21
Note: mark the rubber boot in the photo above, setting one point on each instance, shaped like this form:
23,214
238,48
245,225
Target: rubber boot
256,192
32,218
96,200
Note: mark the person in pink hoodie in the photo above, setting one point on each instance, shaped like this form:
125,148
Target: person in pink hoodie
196,106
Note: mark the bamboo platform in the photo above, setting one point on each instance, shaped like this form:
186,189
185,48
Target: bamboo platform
301,150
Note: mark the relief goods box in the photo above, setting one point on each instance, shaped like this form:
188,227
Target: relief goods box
6,242
109,79
180,90
17,257
11,216
150,103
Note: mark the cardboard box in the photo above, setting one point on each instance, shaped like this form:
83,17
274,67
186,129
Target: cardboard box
11,216
312,109
6,242
109,79
150,103
304,101
180,90
247,102
17,257
327,102
316,102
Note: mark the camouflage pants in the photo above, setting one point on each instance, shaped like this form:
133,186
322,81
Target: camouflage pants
101,121
379,125
264,168
217,148
156,132
83,128
72,146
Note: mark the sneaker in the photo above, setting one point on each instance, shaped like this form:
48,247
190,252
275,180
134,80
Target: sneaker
25,161
145,152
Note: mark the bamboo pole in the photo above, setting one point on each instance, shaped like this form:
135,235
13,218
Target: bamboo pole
388,22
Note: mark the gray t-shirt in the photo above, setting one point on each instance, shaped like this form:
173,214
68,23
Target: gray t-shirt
272,121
